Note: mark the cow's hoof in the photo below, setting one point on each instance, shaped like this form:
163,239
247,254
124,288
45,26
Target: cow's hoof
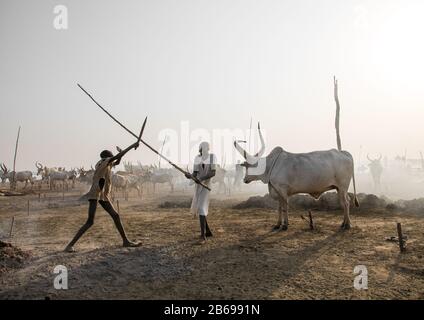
276,228
284,227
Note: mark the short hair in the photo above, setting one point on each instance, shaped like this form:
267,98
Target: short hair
106,154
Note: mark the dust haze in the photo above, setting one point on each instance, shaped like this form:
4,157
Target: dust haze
211,71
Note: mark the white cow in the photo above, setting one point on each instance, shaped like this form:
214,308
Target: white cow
20,176
291,173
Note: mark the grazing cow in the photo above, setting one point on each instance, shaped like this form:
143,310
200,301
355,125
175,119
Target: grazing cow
160,177
20,176
43,172
125,182
59,176
119,182
238,176
54,175
134,182
312,173
85,176
219,178
376,169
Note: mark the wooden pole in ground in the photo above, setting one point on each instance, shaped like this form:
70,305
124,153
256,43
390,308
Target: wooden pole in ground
311,222
422,160
400,237
28,207
11,227
39,197
161,150
13,183
337,121
250,135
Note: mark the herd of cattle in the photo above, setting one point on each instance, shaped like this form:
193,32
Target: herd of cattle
132,178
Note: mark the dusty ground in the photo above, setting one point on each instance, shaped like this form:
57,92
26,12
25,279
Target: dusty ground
244,260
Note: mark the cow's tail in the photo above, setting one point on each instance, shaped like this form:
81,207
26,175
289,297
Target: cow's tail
355,198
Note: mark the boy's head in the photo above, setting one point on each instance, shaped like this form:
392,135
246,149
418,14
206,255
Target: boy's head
106,154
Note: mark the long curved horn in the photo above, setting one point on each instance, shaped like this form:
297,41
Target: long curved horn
243,152
262,149
368,157
38,165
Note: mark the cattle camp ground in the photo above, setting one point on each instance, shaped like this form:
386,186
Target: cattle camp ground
211,150
246,259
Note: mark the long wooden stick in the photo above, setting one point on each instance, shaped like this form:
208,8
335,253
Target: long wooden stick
161,149
143,142
400,238
13,184
337,122
11,227
311,221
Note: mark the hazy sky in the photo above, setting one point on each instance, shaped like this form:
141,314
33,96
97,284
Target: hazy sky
215,64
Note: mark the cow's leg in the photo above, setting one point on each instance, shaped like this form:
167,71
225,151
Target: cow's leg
285,203
282,208
344,202
280,216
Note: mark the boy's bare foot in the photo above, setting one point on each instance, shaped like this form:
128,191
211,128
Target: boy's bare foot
131,244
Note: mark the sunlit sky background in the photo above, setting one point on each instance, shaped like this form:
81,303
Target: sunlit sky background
213,63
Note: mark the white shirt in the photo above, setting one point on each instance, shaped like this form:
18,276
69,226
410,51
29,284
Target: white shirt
203,166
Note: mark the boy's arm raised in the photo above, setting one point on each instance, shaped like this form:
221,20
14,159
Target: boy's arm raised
118,157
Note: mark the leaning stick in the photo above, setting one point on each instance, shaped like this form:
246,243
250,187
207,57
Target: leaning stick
11,227
337,122
400,237
161,150
143,142
13,186
422,160
311,222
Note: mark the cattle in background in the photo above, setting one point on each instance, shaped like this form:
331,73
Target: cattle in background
20,176
376,170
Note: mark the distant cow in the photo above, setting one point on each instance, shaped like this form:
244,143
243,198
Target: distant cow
159,177
376,169
20,176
